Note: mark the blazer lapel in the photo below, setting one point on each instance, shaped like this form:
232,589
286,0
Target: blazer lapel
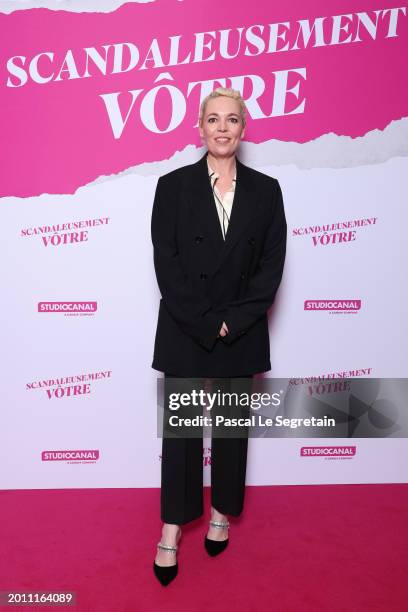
244,208
203,205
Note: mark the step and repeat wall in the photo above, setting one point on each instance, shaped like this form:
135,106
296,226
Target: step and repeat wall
98,99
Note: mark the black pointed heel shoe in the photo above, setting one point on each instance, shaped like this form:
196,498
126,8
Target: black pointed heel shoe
165,574
214,547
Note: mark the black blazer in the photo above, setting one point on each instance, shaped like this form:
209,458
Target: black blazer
205,280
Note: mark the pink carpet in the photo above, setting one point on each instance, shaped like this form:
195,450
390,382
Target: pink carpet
295,548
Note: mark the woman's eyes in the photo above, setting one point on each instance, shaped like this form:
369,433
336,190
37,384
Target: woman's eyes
214,119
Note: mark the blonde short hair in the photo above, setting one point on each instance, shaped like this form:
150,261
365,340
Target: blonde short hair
228,93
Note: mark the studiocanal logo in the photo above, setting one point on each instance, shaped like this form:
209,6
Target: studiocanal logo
334,306
69,309
71,456
329,452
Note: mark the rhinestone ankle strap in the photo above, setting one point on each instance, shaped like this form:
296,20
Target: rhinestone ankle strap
170,549
220,524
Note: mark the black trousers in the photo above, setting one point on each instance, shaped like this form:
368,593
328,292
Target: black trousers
182,460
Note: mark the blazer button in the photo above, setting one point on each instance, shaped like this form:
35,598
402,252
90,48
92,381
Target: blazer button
203,276
199,239
242,276
251,241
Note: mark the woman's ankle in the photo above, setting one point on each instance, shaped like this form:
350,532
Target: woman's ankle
170,531
217,516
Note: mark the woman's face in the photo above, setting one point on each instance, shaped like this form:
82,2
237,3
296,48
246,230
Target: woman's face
222,128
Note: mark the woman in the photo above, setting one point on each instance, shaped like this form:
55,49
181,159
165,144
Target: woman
219,238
